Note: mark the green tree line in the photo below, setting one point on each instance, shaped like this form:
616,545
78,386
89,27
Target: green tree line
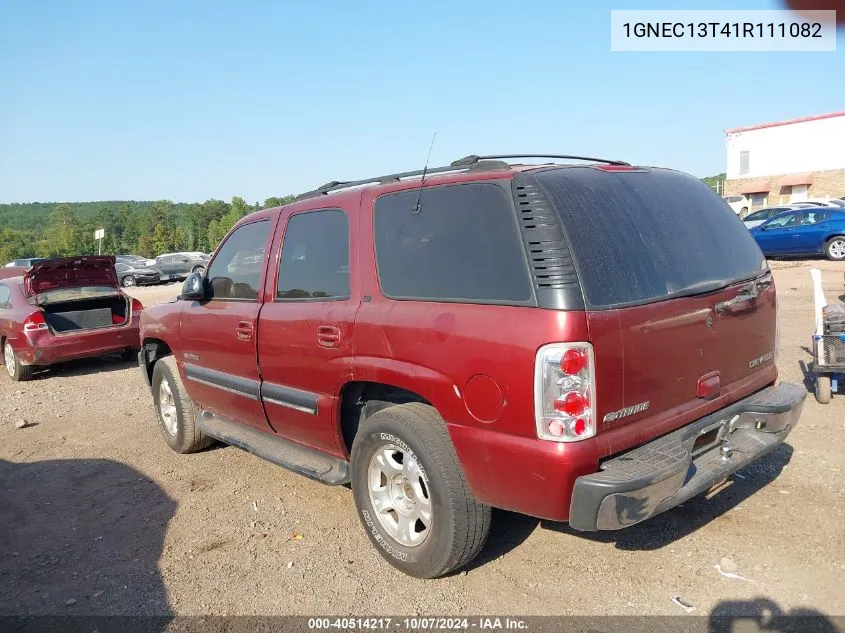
148,228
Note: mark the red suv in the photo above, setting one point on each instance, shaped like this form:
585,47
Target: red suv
591,343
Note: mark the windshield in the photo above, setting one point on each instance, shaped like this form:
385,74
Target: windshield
74,294
648,235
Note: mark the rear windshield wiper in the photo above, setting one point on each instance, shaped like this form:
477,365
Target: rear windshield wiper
747,293
763,280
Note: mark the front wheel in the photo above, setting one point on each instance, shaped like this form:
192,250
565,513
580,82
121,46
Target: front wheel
14,368
743,212
835,248
411,493
199,269
129,281
174,409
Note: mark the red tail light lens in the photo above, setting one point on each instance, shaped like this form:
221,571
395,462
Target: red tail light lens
137,307
564,386
573,403
34,322
572,361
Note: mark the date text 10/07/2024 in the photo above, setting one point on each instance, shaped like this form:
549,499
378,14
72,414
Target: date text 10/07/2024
418,624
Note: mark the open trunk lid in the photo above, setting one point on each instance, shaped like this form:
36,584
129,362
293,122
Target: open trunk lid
70,272
680,303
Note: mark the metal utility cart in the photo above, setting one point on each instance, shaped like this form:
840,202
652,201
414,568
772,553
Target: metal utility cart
829,352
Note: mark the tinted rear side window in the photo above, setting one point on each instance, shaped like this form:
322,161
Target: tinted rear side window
463,245
638,237
315,257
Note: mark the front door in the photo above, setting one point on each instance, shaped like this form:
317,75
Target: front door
219,333
775,237
305,335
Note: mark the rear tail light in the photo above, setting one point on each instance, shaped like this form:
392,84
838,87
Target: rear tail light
34,322
564,392
137,307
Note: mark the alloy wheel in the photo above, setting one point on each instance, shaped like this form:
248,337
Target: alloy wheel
9,359
400,495
167,407
837,249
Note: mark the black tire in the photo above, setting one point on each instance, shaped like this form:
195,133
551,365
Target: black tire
743,212
823,392
198,269
129,281
187,437
17,372
834,249
459,525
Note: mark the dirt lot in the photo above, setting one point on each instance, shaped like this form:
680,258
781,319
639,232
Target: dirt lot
98,516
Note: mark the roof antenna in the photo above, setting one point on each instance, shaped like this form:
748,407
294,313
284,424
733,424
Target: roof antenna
418,206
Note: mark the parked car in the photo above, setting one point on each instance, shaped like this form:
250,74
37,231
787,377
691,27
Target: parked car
809,231
177,266
827,202
129,275
62,309
819,202
758,217
740,204
584,343
24,263
136,260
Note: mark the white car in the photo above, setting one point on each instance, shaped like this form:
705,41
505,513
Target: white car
825,202
739,203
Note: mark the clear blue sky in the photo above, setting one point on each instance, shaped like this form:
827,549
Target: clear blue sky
191,100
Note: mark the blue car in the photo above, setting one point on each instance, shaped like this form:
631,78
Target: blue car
810,231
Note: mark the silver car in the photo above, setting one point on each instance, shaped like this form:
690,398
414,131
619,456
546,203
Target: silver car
758,217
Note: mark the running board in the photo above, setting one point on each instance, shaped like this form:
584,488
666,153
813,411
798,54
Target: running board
300,459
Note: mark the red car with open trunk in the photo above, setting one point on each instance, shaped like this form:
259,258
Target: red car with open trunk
591,343
63,309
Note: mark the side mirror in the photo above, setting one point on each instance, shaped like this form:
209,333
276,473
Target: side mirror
194,287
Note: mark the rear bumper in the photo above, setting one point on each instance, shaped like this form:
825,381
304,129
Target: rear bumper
48,349
661,474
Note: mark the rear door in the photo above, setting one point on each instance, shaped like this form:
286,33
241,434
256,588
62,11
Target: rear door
808,236
665,271
218,334
305,330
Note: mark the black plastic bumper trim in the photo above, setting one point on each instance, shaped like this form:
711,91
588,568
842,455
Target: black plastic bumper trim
663,473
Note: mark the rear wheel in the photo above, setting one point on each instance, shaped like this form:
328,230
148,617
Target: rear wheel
174,409
14,368
835,248
129,281
198,269
743,212
823,389
411,493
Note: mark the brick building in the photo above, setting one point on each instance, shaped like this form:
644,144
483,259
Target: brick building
787,161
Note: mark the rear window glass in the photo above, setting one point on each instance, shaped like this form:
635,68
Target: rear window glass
462,245
638,237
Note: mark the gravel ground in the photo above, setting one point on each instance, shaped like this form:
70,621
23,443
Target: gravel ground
98,516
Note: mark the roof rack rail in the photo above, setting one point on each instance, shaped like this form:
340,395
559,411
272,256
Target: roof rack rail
334,185
475,158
